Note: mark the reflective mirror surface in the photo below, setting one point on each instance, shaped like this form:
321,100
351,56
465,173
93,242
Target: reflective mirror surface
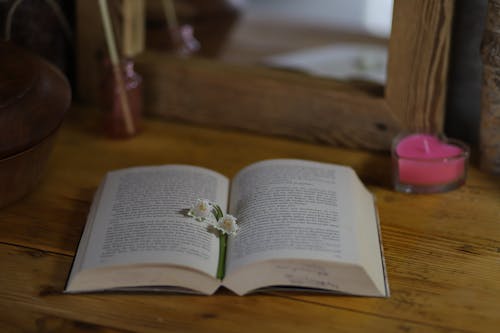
340,39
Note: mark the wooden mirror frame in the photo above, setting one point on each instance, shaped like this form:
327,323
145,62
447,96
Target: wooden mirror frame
315,109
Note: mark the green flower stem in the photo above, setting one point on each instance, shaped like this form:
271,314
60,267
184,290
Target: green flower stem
217,211
222,256
221,268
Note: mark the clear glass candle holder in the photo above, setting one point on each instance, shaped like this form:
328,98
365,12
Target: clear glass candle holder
428,163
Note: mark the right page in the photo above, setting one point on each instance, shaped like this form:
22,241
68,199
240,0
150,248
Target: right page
304,224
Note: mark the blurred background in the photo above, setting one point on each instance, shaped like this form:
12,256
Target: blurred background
343,39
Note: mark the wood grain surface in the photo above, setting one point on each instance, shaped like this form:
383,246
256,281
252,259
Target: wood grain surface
418,63
490,94
255,99
442,251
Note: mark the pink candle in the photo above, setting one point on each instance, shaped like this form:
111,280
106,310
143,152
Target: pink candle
428,163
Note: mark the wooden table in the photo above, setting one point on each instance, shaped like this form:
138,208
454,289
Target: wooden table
442,250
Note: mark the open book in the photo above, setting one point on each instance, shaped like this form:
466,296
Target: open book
302,224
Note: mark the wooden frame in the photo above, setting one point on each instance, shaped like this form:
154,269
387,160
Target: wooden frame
489,144
314,109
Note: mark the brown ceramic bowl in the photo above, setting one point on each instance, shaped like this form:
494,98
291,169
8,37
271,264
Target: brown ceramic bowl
34,97
21,172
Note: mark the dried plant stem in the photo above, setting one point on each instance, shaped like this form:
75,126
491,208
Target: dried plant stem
172,23
113,54
171,17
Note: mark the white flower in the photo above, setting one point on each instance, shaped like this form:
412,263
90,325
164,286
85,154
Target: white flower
227,224
201,210
210,213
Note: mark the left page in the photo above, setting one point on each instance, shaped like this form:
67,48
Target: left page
137,234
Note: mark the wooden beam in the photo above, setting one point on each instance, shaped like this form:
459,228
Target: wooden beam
418,62
266,101
490,99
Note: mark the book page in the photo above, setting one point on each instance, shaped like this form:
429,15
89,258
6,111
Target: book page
140,219
303,211
290,209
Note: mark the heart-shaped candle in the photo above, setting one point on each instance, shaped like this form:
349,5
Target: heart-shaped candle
427,163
